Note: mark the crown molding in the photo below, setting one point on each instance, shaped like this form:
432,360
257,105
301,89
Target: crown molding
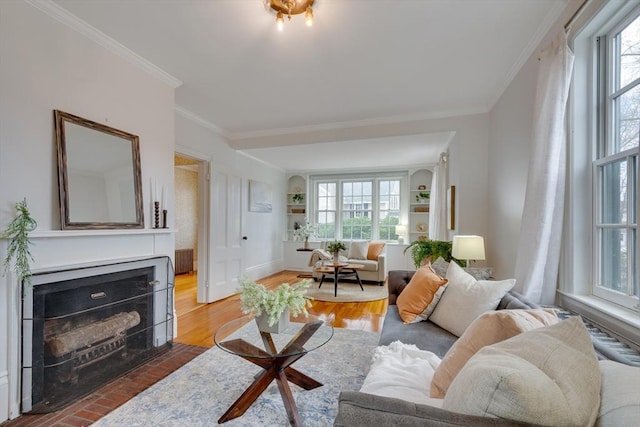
264,162
550,18
183,112
354,124
65,17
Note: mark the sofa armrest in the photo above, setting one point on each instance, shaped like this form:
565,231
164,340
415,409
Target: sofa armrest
398,280
362,409
382,267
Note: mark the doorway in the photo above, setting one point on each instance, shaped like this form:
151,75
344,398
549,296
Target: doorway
190,223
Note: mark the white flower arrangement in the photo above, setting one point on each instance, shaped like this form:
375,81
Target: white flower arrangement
256,299
304,231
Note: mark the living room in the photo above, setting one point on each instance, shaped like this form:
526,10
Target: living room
50,59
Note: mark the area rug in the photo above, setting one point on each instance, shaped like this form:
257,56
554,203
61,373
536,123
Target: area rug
201,391
347,292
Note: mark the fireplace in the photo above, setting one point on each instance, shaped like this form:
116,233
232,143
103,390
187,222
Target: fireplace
84,327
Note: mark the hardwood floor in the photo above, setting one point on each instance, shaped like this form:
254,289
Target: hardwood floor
198,322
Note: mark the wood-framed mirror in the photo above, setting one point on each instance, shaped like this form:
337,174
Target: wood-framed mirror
99,177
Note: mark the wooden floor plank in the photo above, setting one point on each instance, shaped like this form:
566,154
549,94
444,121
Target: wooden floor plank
198,322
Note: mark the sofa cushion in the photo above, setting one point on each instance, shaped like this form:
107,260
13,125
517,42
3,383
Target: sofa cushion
368,265
619,395
358,249
547,376
466,298
401,370
490,328
425,335
440,266
418,300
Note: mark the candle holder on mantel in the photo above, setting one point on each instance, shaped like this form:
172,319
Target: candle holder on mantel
164,218
156,214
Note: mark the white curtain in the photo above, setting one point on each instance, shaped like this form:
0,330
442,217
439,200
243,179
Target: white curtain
438,208
540,235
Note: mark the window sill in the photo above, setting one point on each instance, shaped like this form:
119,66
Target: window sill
621,322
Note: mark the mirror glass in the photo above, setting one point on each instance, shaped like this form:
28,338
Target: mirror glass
99,175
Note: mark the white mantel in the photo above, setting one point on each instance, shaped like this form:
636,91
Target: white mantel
53,250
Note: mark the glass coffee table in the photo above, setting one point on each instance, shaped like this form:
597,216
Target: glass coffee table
274,353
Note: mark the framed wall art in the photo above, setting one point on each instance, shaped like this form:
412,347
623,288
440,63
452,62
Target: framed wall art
260,196
451,207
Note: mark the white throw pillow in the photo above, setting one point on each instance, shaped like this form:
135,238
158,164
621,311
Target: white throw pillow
402,371
466,298
358,249
619,395
547,376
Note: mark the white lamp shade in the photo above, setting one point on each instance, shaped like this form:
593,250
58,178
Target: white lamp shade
468,247
401,229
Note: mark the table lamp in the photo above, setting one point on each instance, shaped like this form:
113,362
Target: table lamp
468,248
401,231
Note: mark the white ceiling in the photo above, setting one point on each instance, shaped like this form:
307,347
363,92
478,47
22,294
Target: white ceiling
362,62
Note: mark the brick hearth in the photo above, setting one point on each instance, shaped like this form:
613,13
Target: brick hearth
104,400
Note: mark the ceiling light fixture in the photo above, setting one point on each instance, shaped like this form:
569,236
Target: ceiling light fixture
291,7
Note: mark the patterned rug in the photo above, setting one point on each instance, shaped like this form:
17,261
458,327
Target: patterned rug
201,391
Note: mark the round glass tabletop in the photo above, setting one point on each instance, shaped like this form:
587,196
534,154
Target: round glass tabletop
242,337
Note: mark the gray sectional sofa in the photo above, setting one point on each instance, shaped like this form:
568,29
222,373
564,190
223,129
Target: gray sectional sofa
362,409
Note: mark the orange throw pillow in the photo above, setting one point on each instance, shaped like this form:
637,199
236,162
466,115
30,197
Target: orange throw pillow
489,328
375,249
419,298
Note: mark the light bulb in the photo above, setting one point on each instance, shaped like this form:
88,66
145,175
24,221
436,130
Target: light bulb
308,17
279,21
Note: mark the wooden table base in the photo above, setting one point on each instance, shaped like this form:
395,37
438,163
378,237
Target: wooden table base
277,367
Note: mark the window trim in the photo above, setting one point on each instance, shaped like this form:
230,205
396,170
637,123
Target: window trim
602,90
401,176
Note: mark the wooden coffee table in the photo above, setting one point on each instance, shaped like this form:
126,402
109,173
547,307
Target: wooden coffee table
296,341
341,270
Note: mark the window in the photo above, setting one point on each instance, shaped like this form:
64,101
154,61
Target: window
615,166
354,208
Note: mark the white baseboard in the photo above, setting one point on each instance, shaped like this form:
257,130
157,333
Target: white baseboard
4,396
265,269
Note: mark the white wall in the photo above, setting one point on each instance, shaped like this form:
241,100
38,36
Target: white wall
510,130
45,65
264,231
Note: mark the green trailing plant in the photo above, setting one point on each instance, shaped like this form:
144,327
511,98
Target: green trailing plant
336,246
298,198
255,298
18,252
421,249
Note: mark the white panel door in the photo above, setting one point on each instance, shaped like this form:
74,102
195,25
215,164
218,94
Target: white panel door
226,238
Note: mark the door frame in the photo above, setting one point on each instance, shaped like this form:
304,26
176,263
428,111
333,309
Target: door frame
204,218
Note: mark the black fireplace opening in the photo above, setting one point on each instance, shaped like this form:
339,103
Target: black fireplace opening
89,331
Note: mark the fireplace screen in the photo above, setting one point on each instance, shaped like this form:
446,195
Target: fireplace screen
90,330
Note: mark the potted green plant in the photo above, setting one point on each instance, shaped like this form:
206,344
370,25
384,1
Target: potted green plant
298,198
423,197
429,250
272,308
334,248
18,250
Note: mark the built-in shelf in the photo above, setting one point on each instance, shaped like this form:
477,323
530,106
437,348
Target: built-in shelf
420,182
